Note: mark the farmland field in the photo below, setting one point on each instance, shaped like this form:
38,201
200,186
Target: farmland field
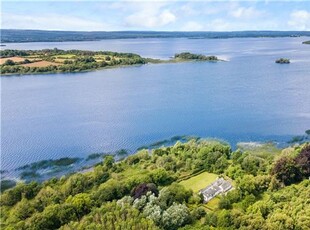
41,64
15,59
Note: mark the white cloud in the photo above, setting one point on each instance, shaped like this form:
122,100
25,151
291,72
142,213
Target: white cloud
150,15
192,26
300,20
187,9
167,17
218,25
243,12
150,21
51,22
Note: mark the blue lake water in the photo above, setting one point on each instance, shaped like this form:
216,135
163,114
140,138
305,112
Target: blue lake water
247,98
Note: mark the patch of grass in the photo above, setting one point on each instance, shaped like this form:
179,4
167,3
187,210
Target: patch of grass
100,56
65,56
129,172
199,182
212,204
62,60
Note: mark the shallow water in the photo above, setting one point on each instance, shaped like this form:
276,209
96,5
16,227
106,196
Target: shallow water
248,98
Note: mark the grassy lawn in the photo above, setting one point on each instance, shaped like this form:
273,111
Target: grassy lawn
65,56
212,204
62,60
199,182
100,56
128,172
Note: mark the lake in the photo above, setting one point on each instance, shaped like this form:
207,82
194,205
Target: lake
246,98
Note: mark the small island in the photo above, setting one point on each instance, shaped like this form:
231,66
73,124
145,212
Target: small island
70,61
283,61
306,42
190,56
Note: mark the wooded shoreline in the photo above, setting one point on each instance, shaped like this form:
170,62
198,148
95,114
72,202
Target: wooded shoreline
47,61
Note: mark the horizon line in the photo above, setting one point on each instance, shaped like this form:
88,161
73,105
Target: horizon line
162,31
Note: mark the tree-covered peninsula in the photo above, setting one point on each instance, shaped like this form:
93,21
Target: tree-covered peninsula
306,42
60,61
159,189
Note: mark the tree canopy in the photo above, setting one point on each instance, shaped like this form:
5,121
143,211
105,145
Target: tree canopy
271,191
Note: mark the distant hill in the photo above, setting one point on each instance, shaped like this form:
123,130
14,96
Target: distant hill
12,35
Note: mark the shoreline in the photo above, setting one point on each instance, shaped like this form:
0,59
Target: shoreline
172,60
87,163
31,35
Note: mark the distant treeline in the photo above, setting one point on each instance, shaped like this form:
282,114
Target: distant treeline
11,35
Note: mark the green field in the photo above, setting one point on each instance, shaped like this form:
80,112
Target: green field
212,204
65,56
199,182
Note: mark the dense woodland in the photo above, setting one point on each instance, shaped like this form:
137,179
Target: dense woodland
272,191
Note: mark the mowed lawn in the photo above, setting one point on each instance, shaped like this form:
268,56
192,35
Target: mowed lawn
199,182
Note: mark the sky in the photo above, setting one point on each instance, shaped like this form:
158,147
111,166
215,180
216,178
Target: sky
145,15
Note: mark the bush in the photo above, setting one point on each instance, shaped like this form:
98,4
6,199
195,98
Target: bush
143,189
161,177
9,62
174,193
303,160
286,171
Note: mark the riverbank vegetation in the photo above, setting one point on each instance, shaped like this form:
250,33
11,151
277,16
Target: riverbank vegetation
59,61
154,190
45,169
